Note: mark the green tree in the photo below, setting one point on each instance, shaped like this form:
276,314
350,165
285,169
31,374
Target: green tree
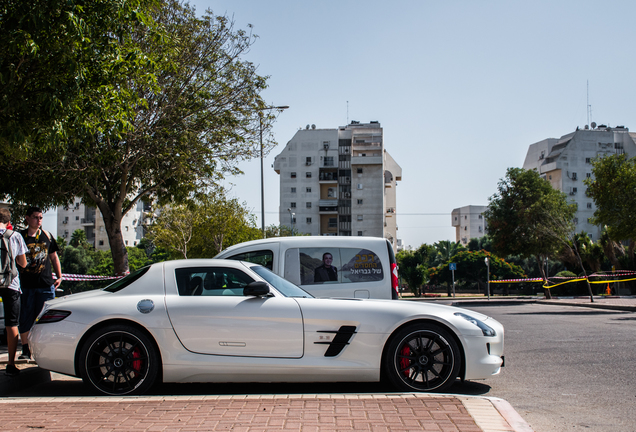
412,269
174,229
159,139
52,54
529,218
444,250
612,189
226,222
471,268
204,226
282,231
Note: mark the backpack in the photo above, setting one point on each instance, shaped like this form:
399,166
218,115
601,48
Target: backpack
8,269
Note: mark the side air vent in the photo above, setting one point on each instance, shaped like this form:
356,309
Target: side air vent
340,340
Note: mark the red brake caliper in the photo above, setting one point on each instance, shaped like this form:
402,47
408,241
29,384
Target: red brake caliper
404,361
136,363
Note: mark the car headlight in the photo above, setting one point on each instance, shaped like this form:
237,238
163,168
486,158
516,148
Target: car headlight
486,330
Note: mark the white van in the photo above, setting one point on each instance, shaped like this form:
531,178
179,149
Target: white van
358,267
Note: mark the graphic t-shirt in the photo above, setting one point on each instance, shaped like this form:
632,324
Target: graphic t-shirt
37,273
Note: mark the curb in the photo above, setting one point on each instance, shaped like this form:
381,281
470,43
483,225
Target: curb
28,377
624,308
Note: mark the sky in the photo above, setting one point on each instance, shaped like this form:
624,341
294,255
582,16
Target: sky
461,88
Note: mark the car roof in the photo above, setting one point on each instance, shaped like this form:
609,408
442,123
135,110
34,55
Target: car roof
311,241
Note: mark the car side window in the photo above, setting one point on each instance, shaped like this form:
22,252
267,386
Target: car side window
262,257
211,281
339,265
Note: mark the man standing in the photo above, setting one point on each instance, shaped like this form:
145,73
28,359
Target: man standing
11,293
36,279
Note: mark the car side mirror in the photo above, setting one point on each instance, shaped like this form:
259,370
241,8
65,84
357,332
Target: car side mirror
256,289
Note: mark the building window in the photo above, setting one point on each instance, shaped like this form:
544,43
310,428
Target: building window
576,220
589,205
101,242
308,205
359,202
480,216
359,233
76,217
308,190
359,170
333,222
308,174
293,175
359,217
126,242
588,160
293,205
573,176
308,161
331,193
329,161
308,220
588,175
359,185
293,190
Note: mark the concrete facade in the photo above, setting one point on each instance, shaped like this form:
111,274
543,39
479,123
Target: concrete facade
469,222
339,182
566,162
79,216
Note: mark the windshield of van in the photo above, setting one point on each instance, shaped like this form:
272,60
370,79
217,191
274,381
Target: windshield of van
285,287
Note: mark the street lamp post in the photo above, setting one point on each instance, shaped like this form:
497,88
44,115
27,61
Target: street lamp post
260,123
487,261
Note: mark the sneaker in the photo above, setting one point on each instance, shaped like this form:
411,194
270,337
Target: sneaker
11,370
26,353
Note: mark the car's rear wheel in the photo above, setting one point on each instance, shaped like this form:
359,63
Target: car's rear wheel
422,357
119,360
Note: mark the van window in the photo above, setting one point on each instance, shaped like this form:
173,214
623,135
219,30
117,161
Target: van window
262,257
338,265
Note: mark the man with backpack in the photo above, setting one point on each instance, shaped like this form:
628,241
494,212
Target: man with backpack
12,251
36,278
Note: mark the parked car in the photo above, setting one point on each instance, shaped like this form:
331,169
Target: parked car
361,267
232,321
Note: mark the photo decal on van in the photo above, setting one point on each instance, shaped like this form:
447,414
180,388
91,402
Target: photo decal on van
339,265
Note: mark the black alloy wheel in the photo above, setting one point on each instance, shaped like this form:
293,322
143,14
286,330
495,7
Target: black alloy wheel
422,357
119,360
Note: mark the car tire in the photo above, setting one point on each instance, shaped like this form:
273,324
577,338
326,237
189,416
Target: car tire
422,357
119,360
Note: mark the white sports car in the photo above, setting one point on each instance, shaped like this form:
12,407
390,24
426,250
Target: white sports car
230,321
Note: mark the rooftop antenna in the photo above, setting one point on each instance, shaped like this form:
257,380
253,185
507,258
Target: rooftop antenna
589,107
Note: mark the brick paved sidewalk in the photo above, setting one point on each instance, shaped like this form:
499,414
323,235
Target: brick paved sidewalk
261,413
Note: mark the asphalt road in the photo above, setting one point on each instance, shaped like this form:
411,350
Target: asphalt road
567,369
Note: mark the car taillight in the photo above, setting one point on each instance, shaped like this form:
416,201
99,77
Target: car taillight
52,315
394,278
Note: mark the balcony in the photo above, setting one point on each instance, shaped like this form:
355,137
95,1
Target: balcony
366,160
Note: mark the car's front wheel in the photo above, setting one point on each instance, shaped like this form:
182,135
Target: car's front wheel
422,357
119,360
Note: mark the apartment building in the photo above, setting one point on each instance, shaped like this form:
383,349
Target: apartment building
87,218
339,182
469,222
567,161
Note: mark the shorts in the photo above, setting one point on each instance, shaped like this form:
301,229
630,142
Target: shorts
32,302
11,302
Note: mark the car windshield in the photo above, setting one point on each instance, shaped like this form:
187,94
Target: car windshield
285,287
122,283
